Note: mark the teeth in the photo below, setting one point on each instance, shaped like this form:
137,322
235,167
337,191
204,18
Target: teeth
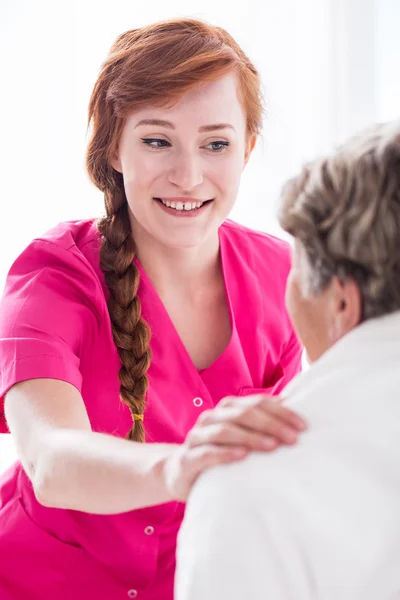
181,205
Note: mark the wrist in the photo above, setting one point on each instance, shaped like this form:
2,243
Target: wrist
163,472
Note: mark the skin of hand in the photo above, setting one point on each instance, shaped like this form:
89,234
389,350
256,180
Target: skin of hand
227,433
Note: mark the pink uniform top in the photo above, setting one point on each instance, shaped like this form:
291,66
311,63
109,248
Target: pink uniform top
54,322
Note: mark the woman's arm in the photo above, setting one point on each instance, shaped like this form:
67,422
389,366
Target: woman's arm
71,466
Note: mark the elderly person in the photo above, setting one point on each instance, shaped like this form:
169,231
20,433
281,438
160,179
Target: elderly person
321,519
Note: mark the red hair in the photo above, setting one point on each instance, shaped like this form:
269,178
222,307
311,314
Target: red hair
156,64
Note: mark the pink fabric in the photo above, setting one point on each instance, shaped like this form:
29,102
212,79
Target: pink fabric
54,323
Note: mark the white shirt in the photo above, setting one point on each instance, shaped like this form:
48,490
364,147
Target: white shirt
319,520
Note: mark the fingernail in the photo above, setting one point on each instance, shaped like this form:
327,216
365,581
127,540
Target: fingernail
302,425
289,435
268,443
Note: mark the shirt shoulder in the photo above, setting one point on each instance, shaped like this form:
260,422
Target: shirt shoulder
263,250
62,260
72,236
70,245
260,260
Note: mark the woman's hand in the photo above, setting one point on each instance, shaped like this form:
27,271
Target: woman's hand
236,426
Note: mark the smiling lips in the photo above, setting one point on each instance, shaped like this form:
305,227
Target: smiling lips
182,204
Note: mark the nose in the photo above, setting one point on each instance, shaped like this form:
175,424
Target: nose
186,173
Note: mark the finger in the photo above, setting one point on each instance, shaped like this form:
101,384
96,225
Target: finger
262,422
270,403
230,434
228,401
254,419
209,455
282,412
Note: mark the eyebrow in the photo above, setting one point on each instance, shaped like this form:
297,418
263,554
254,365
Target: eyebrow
169,125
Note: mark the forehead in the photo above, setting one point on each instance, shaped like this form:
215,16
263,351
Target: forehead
210,103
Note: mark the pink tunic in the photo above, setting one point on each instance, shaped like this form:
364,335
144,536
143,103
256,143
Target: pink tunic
54,323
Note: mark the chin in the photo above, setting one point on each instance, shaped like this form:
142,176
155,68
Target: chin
184,242
184,237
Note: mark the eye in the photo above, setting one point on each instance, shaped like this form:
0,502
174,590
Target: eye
218,146
155,142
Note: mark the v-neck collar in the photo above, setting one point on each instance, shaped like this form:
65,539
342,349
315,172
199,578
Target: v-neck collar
151,300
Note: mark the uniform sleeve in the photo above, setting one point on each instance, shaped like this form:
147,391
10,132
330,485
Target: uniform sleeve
234,544
47,310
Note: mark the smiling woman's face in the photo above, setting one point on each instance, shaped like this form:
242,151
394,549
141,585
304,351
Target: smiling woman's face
182,165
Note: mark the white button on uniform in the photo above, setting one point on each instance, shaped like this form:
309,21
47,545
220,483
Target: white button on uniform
198,401
149,530
132,594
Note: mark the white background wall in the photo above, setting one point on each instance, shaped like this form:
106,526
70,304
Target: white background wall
329,68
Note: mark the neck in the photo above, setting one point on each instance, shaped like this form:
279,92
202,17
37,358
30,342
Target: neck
185,269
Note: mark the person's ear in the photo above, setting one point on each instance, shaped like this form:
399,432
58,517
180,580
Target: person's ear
116,162
251,142
347,306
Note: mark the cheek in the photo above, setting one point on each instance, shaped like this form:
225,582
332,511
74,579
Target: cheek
139,178
292,297
140,165
226,177
302,311
139,170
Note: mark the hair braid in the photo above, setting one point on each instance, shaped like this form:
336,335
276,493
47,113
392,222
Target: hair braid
130,332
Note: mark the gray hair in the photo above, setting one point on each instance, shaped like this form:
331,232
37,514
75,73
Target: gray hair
344,209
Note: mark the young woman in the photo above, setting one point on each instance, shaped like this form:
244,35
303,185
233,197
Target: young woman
164,305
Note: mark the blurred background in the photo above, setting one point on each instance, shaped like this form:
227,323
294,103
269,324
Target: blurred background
329,68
